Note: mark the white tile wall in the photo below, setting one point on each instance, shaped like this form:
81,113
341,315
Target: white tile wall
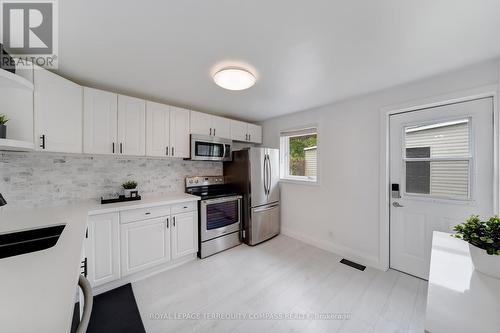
41,179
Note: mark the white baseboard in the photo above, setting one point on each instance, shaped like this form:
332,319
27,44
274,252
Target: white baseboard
345,252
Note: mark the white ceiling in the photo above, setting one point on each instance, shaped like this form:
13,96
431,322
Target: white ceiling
304,53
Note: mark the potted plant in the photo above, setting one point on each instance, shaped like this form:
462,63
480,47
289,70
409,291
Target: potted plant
484,243
3,128
129,187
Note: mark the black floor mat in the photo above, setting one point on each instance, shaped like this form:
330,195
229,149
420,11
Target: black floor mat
114,312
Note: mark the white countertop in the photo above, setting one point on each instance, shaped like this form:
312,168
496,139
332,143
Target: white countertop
37,289
459,298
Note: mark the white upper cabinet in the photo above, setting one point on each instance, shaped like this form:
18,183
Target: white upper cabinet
57,113
201,123
131,126
158,129
99,121
206,124
221,127
179,132
239,130
254,133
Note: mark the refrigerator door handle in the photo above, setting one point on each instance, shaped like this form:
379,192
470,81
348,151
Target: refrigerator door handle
265,174
268,173
263,209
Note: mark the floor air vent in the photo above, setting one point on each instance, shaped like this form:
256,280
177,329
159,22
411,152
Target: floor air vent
353,264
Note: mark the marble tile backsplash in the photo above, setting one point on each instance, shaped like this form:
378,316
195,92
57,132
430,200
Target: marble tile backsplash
50,179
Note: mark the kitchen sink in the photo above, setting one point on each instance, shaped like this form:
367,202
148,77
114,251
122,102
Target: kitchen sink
31,240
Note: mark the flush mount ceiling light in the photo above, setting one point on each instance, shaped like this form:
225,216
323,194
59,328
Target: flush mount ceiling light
234,79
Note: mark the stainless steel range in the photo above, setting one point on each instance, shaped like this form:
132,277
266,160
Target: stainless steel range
219,220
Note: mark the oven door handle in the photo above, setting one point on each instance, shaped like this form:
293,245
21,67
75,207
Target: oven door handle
219,200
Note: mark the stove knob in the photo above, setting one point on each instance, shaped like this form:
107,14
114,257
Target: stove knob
190,181
196,181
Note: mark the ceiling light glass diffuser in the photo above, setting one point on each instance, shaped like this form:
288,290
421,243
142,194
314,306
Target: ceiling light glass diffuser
234,79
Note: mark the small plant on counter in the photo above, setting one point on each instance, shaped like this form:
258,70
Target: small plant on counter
3,119
482,234
129,185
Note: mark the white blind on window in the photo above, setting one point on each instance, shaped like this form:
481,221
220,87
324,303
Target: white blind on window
297,132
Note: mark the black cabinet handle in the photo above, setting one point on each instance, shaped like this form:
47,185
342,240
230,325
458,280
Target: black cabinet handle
210,130
174,220
121,148
214,131
167,223
166,151
173,151
42,145
113,147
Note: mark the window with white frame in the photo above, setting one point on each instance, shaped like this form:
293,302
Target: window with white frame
299,154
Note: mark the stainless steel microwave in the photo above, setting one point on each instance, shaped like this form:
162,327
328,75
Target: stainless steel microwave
210,148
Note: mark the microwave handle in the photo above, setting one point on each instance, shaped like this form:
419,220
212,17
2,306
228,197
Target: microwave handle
224,150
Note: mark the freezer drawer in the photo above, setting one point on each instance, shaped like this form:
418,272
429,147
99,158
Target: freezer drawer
264,223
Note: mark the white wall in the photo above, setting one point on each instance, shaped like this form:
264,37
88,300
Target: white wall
341,213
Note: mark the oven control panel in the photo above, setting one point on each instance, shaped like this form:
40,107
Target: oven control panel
204,181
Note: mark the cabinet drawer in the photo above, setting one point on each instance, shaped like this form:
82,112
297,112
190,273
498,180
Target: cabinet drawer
144,213
184,207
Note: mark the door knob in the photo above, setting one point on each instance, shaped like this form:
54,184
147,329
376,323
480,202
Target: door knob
397,204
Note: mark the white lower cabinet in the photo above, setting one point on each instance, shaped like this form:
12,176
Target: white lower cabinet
184,234
144,244
103,248
128,242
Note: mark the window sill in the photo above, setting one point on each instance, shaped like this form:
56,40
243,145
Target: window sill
299,181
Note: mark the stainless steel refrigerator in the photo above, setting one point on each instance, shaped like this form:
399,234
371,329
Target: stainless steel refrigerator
255,174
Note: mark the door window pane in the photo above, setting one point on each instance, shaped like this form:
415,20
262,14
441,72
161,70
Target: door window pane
437,159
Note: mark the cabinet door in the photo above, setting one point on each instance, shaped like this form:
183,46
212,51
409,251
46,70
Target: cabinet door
221,127
255,133
99,121
201,123
157,129
144,244
57,113
184,234
179,132
103,248
239,131
131,126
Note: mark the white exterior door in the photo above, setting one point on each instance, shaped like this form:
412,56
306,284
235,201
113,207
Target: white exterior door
131,126
99,121
158,129
184,234
144,244
179,132
58,113
442,160
103,248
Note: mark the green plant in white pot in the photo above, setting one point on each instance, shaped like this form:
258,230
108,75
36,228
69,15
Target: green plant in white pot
3,128
129,187
484,243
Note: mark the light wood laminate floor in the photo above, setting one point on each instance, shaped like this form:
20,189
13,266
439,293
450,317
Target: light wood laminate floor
281,276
